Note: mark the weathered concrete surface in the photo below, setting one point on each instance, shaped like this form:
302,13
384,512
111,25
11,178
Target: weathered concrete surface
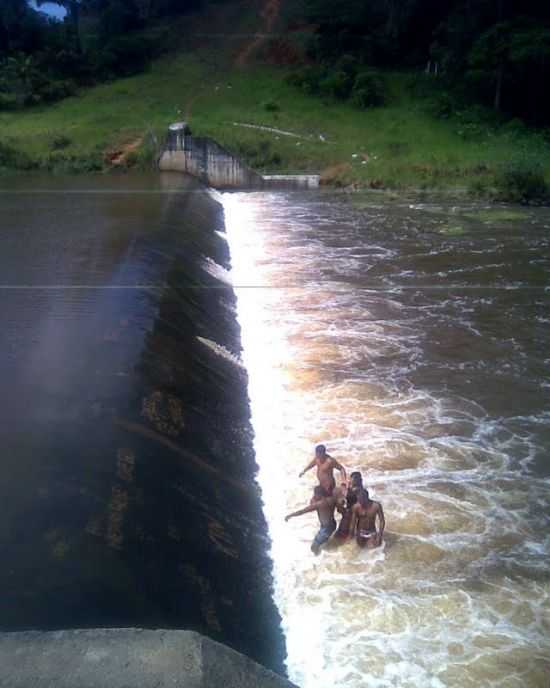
206,160
292,181
126,658
203,158
127,485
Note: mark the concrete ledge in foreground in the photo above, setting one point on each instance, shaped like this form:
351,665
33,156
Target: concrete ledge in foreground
126,658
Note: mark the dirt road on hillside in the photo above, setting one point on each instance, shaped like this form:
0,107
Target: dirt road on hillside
269,14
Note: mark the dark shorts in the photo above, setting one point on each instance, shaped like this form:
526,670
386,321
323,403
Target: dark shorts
324,533
330,487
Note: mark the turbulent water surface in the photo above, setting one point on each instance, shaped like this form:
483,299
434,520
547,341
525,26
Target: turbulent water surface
414,340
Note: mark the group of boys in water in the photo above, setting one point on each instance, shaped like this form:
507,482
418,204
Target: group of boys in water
359,512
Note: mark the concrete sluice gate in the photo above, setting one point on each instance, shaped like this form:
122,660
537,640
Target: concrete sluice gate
204,159
128,482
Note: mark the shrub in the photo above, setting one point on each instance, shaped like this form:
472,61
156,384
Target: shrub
14,159
270,106
422,85
63,163
478,187
59,142
259,155
8,101
515,128
397,149
132,159
307,79
150,150
337,175
368,90
521,181
441,105
477,121
51,91
349,65
336,85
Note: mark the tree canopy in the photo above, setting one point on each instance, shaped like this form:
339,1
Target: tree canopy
43,59
496,50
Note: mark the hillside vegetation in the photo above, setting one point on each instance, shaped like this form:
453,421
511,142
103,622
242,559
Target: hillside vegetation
408,141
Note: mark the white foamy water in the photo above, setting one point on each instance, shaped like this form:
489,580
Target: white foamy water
431,394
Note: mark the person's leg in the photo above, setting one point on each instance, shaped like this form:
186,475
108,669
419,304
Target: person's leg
372,542
317,542
345,523
322,536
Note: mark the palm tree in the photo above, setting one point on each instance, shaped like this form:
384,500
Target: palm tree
19,70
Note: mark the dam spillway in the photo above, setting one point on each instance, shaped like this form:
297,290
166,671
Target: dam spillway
127,475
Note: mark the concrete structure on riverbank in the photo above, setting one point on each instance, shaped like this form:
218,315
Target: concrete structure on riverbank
119,658
203,158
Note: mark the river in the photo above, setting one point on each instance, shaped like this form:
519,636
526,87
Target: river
413,339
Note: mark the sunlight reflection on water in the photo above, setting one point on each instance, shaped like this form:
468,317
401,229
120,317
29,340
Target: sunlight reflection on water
420,391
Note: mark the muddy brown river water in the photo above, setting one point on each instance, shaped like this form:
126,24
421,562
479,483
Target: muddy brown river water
413,339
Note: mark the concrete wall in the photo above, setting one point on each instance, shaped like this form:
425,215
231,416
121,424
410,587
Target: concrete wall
126,658
203,158
291,181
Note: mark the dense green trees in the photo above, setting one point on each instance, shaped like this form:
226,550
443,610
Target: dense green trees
42,60
494,52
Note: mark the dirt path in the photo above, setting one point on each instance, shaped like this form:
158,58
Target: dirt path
119,156
269,14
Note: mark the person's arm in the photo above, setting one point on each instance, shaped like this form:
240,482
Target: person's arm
308,467
340,500
342,470
381,524
312,507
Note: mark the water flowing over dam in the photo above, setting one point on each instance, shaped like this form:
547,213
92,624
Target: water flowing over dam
413,339
127,470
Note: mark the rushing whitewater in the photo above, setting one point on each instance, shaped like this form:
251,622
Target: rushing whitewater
420,357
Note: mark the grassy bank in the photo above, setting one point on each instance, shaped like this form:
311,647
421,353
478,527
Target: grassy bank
396,146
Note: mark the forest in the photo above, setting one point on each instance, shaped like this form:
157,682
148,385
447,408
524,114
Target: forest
493,53
43,59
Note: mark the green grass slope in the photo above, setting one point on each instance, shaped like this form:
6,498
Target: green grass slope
399,145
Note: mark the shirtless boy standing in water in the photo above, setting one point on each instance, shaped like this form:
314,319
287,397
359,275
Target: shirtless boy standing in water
363,521
354,488
325,469
324,505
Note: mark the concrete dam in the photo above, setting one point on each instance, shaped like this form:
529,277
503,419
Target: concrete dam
122,657
203,158
128,477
